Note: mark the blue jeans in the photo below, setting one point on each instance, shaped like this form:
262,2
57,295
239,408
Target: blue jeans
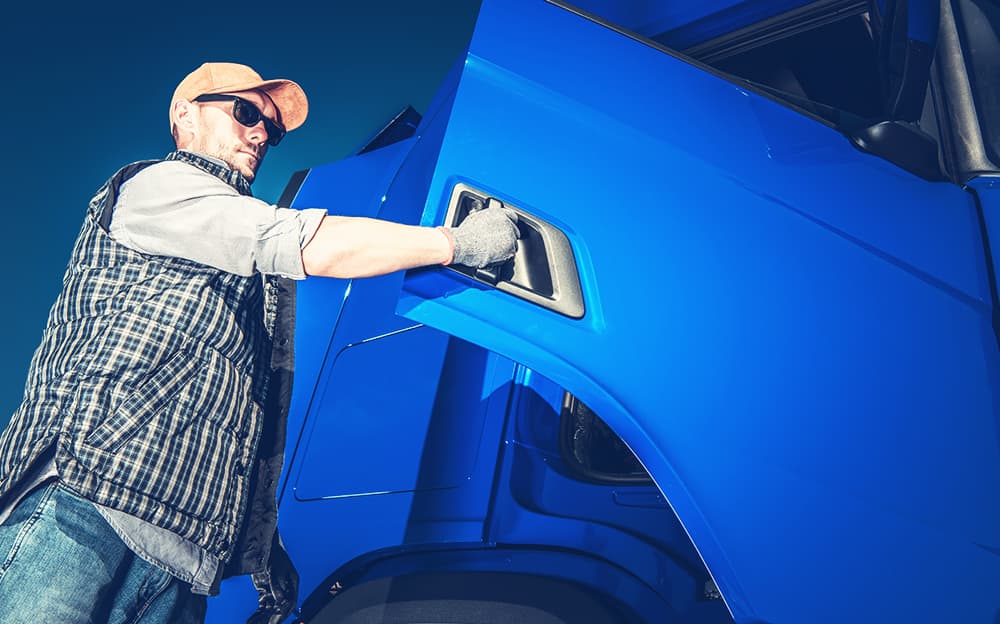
62,562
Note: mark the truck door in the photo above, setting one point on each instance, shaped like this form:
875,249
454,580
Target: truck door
794,336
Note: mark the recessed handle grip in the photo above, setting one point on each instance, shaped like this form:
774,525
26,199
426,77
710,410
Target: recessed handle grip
542,271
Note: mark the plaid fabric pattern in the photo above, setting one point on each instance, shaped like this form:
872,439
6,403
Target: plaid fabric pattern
150,381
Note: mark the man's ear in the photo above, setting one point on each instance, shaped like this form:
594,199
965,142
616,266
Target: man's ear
184,115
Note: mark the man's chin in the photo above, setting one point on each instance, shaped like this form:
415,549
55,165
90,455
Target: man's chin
249,167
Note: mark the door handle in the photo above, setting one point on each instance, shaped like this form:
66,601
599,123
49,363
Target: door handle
543,271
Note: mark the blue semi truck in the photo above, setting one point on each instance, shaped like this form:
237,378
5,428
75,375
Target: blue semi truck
744,366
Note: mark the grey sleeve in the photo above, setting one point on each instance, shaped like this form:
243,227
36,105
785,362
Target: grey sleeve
174,209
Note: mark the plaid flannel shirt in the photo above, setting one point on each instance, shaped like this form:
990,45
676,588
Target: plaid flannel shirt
151,382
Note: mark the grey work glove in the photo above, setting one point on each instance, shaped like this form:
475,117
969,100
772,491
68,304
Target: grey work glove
486,236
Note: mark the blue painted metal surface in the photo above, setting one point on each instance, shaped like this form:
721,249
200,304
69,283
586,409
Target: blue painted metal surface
411,505
793,336
628,525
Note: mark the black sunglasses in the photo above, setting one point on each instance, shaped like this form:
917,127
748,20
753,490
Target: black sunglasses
248,115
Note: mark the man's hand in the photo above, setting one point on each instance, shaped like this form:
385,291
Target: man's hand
485,237
277,587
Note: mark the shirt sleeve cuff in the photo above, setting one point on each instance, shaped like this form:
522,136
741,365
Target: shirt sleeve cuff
279,243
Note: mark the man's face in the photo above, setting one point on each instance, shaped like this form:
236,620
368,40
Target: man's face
218,134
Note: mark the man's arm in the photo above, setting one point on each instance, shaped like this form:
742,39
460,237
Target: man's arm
174,209
361,247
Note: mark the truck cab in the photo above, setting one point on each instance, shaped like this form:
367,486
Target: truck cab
744,366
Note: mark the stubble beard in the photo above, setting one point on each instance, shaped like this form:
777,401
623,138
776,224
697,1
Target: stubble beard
236,158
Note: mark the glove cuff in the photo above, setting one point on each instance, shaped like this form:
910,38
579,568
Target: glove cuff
451,244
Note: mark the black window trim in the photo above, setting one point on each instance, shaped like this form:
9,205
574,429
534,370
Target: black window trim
582,472
963,148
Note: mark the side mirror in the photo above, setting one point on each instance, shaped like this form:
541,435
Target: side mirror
905,34
904,144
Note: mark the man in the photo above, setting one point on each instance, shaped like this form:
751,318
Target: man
141,467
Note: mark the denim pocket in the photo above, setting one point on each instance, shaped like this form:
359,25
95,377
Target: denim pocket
21,521
150,396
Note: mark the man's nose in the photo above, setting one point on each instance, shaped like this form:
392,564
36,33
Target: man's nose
258,133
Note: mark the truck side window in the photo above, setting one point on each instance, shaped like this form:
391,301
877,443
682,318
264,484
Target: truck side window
824,63
592,450
831,70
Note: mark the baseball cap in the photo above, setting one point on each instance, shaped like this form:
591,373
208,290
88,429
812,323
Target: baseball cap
232,77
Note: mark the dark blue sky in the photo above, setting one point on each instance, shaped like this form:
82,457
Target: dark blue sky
87,88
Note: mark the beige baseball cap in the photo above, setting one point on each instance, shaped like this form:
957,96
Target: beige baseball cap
232,77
